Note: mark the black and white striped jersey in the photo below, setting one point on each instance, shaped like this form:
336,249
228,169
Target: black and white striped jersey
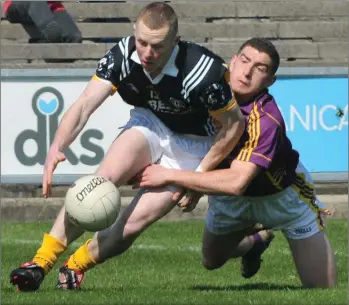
193,86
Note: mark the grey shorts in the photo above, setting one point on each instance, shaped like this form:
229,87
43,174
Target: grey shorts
296,216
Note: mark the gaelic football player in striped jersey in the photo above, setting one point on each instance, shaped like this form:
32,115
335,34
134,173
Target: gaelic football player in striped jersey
184,117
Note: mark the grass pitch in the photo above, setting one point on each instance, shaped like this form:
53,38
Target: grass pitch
163,267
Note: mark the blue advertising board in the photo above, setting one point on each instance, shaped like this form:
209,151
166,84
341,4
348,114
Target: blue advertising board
315,125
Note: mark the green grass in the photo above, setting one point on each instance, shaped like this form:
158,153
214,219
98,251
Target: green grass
164,268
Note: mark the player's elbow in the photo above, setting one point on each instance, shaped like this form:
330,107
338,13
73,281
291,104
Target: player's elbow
234,190
239,190
237,187
231,187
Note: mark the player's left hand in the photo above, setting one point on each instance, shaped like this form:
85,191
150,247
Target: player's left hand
152,176
190,201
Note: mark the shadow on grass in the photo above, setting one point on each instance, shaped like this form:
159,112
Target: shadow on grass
256,286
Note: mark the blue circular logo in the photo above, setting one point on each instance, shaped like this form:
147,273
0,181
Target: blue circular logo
47,103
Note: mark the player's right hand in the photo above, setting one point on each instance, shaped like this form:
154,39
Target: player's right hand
53,158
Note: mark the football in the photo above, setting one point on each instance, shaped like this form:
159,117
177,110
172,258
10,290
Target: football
92,203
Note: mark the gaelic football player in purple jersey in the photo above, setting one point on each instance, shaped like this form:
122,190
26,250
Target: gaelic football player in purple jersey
262,180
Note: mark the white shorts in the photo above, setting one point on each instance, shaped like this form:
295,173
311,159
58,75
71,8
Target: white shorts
170,149
296,216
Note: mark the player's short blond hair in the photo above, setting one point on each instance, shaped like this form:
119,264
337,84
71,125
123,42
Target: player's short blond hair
157,15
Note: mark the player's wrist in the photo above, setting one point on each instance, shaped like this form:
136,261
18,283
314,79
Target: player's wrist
174,176
171,176
55,148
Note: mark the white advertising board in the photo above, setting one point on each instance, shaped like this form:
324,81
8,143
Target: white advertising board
30,113
34,100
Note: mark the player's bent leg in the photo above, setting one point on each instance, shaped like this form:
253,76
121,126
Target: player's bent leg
64,230
231,233
218,248
251,259
120,164
314,260
146,208
311,249
254,235
129,154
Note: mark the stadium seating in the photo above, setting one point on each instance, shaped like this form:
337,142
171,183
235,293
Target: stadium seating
306,32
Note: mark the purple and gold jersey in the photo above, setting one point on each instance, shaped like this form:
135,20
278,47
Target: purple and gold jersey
265,144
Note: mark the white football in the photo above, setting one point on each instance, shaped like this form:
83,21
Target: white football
93,203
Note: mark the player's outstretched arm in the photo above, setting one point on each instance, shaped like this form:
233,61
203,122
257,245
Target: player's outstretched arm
232,181
71,124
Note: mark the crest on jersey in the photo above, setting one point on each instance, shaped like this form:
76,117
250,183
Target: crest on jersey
106,64
215,94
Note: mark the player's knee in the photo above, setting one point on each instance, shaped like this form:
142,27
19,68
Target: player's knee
327,283
104,172
318,285
211,264
108,174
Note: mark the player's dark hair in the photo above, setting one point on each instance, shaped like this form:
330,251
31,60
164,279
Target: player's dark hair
265,46
157,14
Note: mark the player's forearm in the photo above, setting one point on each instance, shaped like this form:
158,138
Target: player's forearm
225,142
218,181
77,115
70,126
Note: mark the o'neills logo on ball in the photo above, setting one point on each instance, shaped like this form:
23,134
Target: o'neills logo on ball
90,187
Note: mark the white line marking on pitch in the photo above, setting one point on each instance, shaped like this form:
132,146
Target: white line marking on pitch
76,244
188,248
